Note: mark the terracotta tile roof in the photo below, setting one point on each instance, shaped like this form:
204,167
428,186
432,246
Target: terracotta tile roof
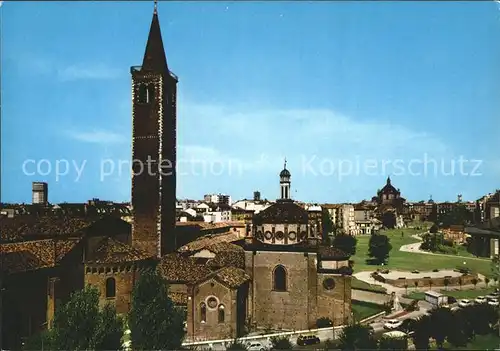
226,254
20,261
37,254
112,251
23,226
209,240
177,268
203,225
232,277
331,253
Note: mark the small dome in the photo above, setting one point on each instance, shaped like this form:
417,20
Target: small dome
285,173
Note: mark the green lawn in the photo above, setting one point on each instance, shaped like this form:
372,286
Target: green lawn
362,309
480,342
409,261
458,294
361,285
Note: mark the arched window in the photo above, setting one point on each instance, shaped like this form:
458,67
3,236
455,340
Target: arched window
110,287
279,278
203,312
221,314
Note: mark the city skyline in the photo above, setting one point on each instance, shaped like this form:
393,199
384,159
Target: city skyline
328,102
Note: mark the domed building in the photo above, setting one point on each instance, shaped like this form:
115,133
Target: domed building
389,204
295,280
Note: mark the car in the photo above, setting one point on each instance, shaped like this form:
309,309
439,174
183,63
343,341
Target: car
493,302
464,303
309,339
384,271
415,272
490,296
451,299
256,346
392,324
480,299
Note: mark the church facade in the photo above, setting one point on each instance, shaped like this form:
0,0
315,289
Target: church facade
287,280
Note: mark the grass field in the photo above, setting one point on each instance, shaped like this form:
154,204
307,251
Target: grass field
480,342
409,261
458,294
361,285
362,310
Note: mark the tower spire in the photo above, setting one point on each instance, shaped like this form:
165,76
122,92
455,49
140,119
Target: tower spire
154,56
285,164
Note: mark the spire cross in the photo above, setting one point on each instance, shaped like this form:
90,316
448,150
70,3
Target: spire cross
155,11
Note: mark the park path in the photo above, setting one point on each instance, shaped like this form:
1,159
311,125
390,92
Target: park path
415,248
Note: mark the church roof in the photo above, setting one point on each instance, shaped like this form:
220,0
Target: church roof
31,255
112,251
232,277
177,268
283,212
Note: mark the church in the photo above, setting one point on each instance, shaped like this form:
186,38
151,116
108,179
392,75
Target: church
269,272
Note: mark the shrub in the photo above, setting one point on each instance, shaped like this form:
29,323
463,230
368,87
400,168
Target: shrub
281,343
324,322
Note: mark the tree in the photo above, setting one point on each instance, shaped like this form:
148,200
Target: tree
236,345
155,323
446,282
328,227
422,333
441,320
393,344
462,330
346,243
416,284
459,215
80,325
357,337
434,229
474,282
379,248
281,343
495,268
486,281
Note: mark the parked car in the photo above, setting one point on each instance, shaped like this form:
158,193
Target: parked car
491,296
256,346
493,302
415,272
392,324
384,271
464,303
309,339
480,299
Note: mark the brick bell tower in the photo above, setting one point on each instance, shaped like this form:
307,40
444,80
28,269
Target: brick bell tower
154,106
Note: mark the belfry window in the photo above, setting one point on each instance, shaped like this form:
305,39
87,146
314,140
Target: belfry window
146,93
279,278
203,312
221,315
110,288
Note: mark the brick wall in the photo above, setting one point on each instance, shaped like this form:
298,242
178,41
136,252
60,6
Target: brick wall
124,283
211,328
334,304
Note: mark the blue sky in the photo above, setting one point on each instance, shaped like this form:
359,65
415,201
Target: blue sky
324,84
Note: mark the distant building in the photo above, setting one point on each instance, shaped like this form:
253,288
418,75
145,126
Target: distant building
40,192
256,196
342,216
218,199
